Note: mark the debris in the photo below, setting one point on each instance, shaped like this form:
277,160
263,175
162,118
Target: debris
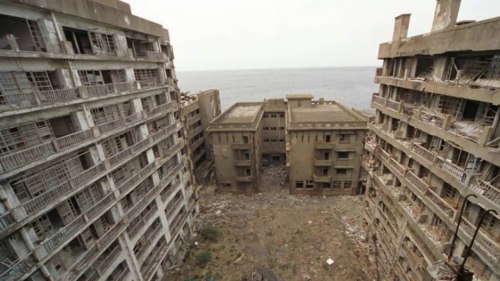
309,222
218,212
329,261
238,259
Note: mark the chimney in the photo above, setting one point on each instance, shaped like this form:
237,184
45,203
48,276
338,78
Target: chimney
445,15
401,24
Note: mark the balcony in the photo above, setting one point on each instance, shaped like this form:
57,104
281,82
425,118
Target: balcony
243,163
326,179
244,178
465,134
323,162
485,190
104,265
485,246
324,146
448,211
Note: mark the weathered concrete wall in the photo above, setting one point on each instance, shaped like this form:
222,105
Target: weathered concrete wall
90,10
478,36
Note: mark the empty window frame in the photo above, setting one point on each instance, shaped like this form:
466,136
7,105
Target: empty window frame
26,32
147,77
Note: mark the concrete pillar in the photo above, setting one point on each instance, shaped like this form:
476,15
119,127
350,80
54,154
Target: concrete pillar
121,44
445,15
132,263
49,34
401,24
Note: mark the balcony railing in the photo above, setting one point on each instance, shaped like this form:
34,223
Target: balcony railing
18,269
417,182
440,203
426,154
20,158
323,162
109,259
486,190
74,138
452,169
488,245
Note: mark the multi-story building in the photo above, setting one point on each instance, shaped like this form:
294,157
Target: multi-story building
324,146
197,111
235,143
436,140
319,141
93,185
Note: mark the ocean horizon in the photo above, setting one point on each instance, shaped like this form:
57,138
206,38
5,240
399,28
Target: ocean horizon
352,86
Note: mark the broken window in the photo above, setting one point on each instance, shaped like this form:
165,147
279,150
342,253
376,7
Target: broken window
342,155
347,184
328,138
25,32
147,77
299,184
424,66
79,39
139,48
102,43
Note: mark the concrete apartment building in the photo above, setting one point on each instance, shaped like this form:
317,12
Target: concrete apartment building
319,141
197,111
93,185
435,140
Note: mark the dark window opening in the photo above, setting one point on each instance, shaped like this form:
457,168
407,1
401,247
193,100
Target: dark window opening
25,32
79,39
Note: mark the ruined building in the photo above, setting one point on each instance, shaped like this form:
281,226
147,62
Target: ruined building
197,111
435,139
319,141
93,185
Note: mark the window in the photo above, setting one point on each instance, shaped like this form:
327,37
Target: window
328,138
245,139
309,184
344,138
341,171
337,184
299,184
325,171
326,155
342,155
347,184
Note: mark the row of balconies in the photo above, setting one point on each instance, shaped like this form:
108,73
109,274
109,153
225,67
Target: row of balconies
116,230
75,184
65,234
339,162
427,121
67,52
79,94
448,89
445,211
451,173
154,259
69,142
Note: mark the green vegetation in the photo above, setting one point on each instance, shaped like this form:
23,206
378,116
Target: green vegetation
210,232
201,259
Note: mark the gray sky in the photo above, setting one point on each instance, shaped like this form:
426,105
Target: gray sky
249,34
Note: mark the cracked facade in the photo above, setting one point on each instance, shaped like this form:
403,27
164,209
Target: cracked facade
320,142
93,181
435,139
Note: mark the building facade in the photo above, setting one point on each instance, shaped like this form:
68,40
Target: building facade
93,185
197,111
236,143
324,146
434,140
319,142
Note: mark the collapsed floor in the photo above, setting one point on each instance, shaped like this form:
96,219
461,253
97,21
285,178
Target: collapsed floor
278,236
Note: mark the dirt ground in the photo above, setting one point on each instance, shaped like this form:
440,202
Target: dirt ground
290,237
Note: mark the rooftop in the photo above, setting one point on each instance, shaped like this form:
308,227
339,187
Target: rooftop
321,113
239,116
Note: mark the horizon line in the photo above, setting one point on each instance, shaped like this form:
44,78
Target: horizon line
273,68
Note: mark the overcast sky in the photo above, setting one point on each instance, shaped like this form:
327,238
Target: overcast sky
251,34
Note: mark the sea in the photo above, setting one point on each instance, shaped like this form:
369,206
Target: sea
352,86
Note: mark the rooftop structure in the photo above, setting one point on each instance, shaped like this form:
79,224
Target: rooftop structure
435,140
93,185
